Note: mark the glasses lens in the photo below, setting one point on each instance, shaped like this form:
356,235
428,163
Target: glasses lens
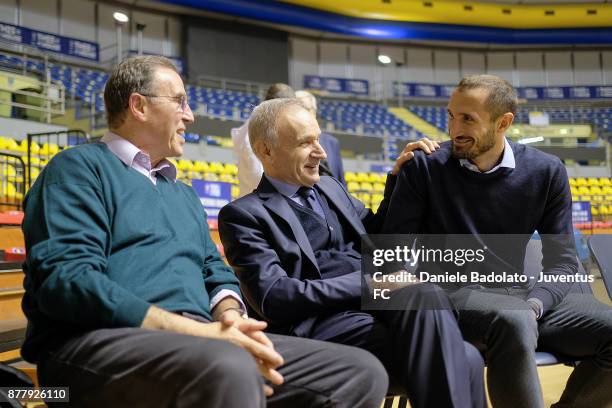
183,103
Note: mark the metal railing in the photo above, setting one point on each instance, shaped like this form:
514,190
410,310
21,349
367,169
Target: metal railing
12,181
52,140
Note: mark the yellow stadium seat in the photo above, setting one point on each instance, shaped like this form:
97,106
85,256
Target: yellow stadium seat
361,177
595,190
200,166
366,186
572,181
231,168
374,177
604,181
185,165
592,181
227,178
211,176
584,198
216,167
8,189
12,145
349,176
377,198
607,190
581,181
353,186
594,210
584,190
574,191
379,187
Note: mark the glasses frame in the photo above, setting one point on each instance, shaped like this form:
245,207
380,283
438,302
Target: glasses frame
181,99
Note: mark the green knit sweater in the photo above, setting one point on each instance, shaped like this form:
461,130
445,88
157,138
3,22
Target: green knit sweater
104,243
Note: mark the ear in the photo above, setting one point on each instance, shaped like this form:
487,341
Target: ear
262,151
137,107
505,122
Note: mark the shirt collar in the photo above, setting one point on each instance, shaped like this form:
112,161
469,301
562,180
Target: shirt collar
506,161
286,189
129,154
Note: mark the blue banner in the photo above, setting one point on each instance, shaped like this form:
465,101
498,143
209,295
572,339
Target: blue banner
581,211
337,85
50,42
414,90
213,195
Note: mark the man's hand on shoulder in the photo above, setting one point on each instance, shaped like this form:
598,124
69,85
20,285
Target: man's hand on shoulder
426,145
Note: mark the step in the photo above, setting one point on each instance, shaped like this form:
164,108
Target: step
10,303
12,333
11,278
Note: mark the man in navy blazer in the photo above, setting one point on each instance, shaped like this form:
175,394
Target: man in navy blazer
332,165
295,245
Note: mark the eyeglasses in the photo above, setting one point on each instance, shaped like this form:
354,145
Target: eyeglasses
181,99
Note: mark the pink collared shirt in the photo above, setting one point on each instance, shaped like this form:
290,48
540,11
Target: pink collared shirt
135,158
140,161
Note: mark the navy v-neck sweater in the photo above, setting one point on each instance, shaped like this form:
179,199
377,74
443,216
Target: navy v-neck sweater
436,195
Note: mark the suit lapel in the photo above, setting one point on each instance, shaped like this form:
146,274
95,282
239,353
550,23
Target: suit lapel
276,202
337,198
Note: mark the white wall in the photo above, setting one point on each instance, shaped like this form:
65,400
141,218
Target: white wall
446,67
587,68
304,61
419,65
606,58
501,64
558,68
333,60
8,11
472,63
443,66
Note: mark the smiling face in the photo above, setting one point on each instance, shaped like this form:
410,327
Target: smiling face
470,126
296,156
165,120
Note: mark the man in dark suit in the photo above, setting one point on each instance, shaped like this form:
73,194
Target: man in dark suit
295,245
332,165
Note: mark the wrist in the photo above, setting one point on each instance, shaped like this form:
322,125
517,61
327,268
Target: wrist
238,310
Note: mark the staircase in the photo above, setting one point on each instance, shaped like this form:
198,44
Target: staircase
419,124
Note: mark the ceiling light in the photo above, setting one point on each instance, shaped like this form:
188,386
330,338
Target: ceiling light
384,59
120,17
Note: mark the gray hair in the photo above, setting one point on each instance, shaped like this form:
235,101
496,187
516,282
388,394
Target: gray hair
134,74
309,100
502,96
263,122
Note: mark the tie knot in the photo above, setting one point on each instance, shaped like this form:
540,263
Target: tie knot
306,192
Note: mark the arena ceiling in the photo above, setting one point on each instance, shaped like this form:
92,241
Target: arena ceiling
511,22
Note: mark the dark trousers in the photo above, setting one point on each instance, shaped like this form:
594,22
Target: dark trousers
132,367
501,322
420,345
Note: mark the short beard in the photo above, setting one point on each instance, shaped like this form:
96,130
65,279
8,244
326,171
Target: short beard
480,146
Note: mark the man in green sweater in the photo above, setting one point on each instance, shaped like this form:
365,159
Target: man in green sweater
128,301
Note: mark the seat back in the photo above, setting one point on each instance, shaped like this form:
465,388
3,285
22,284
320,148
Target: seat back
601,248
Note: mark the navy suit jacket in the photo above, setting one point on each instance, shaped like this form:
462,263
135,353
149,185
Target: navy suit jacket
267,247
332,148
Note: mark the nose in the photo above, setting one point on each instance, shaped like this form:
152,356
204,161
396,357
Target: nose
188,115
319,152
